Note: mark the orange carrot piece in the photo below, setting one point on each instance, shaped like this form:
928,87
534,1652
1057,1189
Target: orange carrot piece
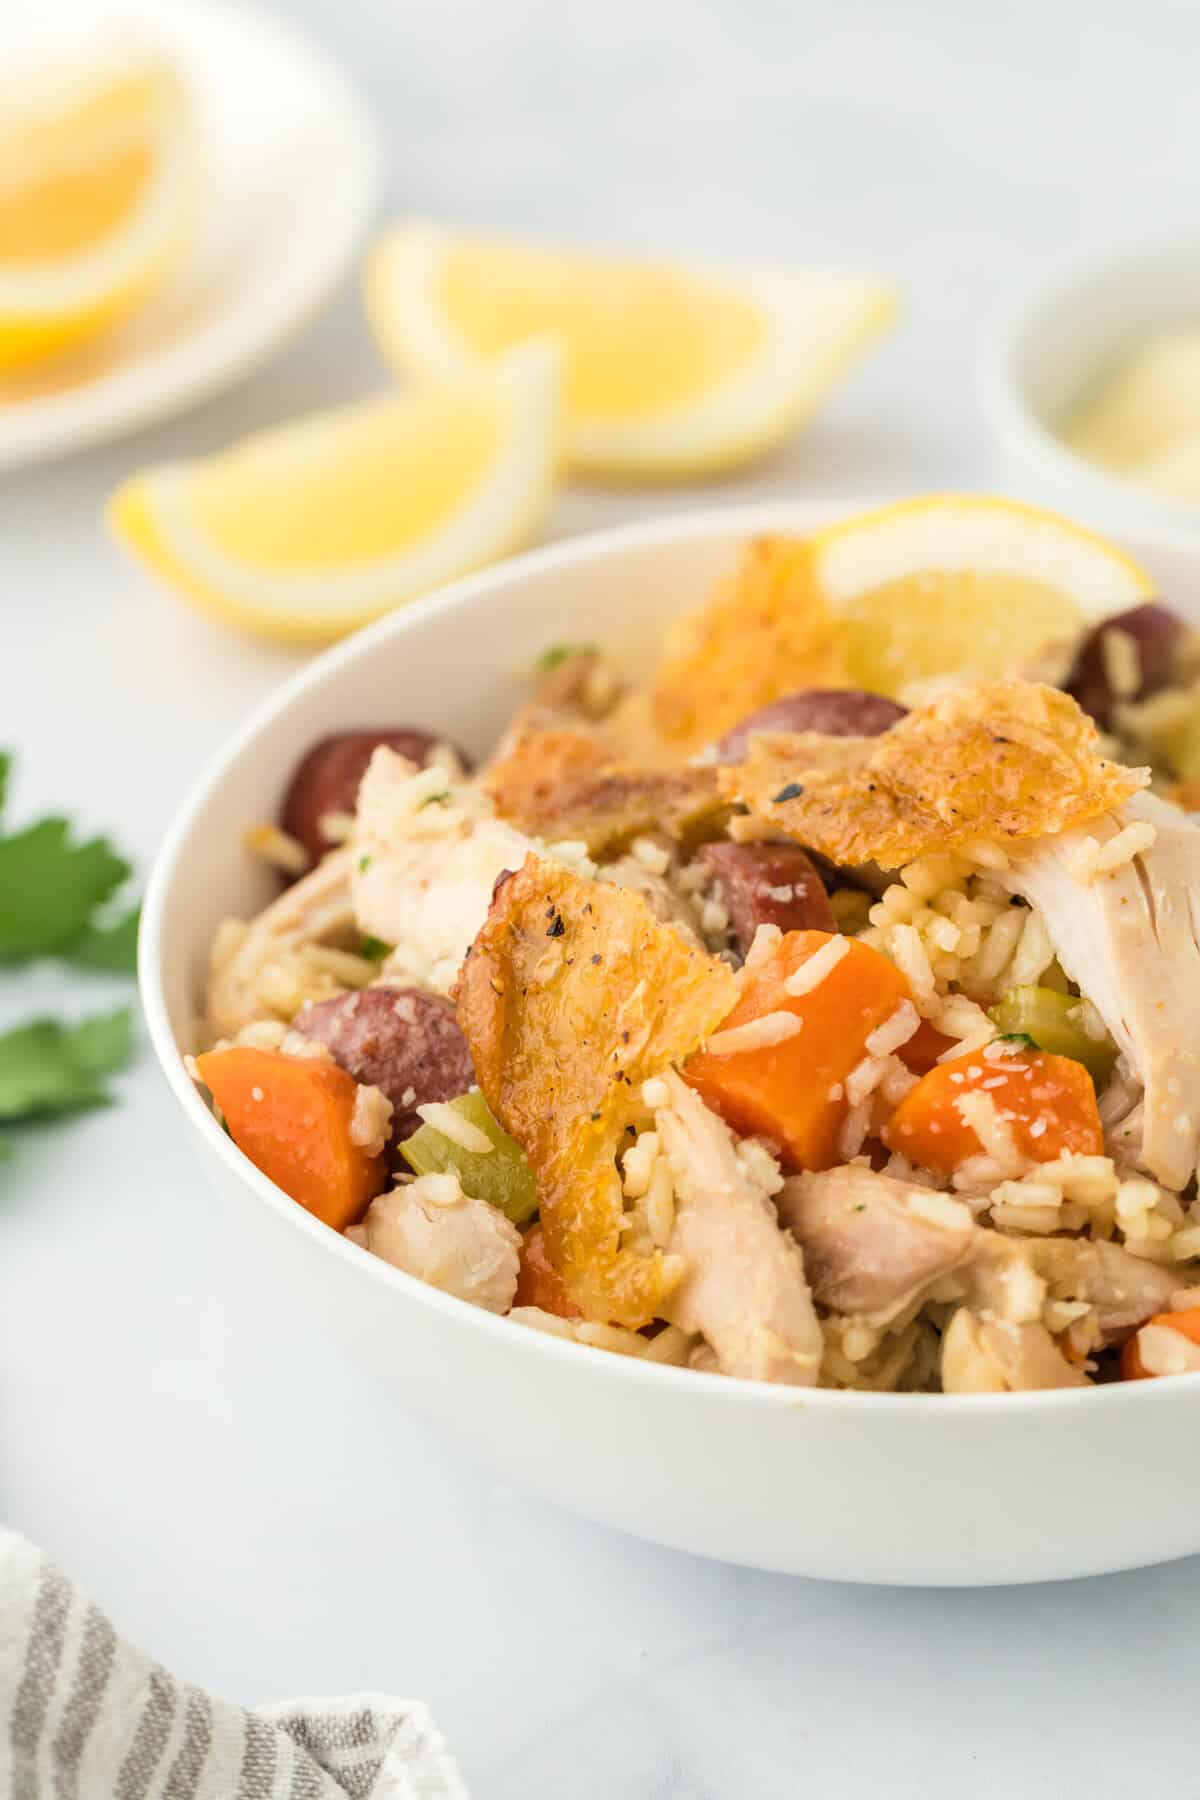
1187,1323
539,1282
923,1048
793,1090
291,1116
1047,1102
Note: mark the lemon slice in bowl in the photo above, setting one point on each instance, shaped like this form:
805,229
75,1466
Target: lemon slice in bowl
100,193
963,585
670,371
306,531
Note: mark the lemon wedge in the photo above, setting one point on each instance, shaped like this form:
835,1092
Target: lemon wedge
963,585
100,191
669,371
306,531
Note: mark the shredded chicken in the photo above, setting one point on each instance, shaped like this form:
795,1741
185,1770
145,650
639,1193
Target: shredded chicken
1125,1290
871,1243
1130,938
986,1355
432,1230
314,910
426,859
662,897
743,1286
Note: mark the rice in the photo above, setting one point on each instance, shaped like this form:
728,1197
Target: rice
278,848
1122,663
371,1120
756,1034
894,1031
814,969
443,1118
980,1112
652,856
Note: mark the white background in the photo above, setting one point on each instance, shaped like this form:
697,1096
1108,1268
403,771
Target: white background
170,1424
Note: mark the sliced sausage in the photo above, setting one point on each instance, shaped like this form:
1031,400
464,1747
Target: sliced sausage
403,1040
327,777
1157,635
837,712
767,884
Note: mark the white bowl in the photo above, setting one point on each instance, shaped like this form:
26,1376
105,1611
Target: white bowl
1039,359
858,1487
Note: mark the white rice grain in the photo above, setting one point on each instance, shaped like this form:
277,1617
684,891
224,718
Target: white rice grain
813,971
450,1124
756,1034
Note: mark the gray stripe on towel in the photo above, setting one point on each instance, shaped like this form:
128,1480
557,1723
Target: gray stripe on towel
149,1740
188,1766
43,1654
93,1666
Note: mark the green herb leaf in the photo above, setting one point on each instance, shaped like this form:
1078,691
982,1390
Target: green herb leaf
49,887
111,949
374,949
5,770
1021,1038
47,1067
557,654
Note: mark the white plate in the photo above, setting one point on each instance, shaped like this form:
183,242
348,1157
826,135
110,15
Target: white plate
910,1488
295,173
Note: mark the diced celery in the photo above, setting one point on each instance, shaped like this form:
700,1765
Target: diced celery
850,909
1182,747
502,1176
1054,1022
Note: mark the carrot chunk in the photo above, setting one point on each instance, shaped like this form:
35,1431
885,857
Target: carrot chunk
790,1084
539,1282
923,1048
292,1117
1047,1103
1187,1323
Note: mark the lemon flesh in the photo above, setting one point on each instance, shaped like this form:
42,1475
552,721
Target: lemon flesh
967,586
669,371
99,197
307,531
639,340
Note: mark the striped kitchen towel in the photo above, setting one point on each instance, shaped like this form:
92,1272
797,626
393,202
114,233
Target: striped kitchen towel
85,1716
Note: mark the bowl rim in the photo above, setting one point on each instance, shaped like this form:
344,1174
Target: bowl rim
458,596
1021,430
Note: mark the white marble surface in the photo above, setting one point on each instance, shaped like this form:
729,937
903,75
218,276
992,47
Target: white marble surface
169,1425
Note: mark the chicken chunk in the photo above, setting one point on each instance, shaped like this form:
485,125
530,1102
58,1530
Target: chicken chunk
872,1243
314,910
1125,1290
744,1286
431,1229
427,857
986,1355
1130,938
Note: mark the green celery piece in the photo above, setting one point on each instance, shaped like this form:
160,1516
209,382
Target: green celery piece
1182,746
850,909
110,949
501,1176
5,772
47,1067
1053,1022
50,886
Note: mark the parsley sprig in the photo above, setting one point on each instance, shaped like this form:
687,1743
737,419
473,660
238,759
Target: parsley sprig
56,895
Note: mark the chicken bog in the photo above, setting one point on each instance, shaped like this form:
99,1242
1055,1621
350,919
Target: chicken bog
750,1022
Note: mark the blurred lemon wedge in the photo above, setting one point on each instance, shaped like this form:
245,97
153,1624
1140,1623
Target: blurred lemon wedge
100,184
963,585
306,531
669,371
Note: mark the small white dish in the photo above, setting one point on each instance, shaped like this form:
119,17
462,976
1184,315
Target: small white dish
914,1489
294,177
1039,358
